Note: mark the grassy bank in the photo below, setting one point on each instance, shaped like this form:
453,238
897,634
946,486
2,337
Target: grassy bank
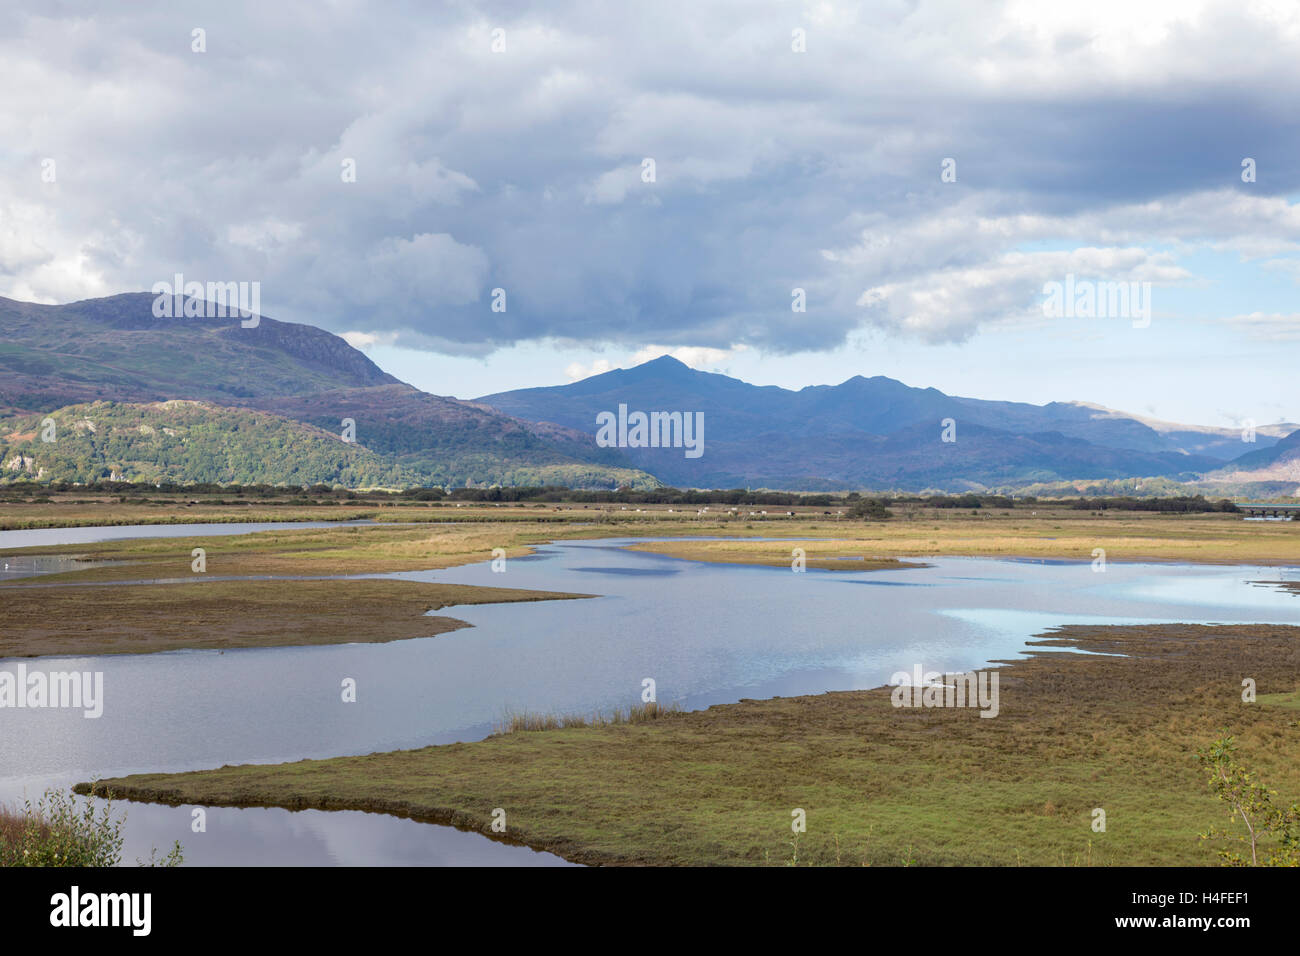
370,549
212,615
880,785
1201,538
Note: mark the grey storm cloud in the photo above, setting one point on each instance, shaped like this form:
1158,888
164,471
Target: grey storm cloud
522,169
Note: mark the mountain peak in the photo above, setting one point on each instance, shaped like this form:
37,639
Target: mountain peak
664,363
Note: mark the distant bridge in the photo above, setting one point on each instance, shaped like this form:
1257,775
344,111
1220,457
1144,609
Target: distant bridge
1254,509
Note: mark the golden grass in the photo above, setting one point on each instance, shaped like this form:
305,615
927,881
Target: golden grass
1208,538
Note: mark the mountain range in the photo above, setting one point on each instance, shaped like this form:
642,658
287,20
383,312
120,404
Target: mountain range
880,433
132,396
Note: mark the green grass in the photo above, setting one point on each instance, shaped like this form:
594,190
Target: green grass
1289,701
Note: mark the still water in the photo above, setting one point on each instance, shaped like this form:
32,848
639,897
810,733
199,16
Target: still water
706,634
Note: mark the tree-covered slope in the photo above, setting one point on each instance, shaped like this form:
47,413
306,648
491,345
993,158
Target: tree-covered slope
184,441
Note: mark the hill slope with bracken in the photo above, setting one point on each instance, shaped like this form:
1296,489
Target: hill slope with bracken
114,350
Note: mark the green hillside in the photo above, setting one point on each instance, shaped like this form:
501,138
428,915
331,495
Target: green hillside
185,441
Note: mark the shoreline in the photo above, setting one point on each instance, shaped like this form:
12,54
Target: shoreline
1077,731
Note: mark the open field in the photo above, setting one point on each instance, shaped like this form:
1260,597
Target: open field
879,784
64,512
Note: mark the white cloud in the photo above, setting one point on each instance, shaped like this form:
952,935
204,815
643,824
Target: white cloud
1269,326
368,340
699,357
264,236
696,356
575,371
1080,124
952,304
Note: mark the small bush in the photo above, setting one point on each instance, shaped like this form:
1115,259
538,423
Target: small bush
57,831
1272,831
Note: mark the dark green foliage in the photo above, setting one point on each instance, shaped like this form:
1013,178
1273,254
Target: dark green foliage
872,509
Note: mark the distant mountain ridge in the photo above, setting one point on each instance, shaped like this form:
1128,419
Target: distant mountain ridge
877,433
113,358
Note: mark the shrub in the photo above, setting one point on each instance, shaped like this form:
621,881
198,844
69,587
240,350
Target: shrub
57,831
1272,832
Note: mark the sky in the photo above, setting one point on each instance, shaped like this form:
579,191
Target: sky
678,177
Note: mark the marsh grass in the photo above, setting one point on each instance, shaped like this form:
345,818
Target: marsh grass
140,619
882,785
516,721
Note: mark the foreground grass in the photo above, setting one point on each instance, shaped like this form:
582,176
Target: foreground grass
139,619
879,784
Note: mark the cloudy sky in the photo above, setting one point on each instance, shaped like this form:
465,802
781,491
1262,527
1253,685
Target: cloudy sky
794,146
